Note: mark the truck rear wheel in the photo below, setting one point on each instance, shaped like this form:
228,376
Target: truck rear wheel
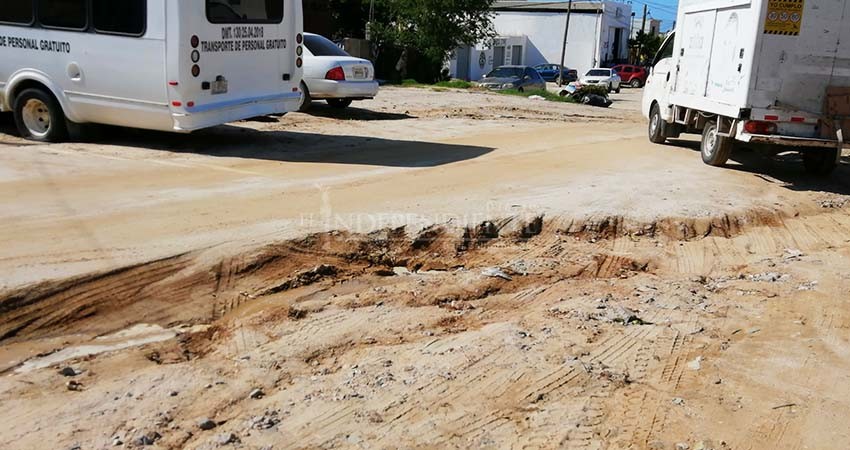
821,162
39,117
716,149
657,126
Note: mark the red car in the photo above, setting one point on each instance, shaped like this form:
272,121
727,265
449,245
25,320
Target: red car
634,76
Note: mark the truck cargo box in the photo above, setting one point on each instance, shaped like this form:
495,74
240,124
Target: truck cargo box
763,59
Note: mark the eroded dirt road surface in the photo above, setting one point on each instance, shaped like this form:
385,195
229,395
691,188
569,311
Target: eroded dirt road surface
432,270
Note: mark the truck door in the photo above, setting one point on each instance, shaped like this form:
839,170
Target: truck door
658,84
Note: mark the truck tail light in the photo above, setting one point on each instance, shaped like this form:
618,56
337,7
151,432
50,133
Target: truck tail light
760,127
335,74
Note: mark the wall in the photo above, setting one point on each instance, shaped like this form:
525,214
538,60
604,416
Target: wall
589,43
590,39
484,53
653,26
616,16
545,32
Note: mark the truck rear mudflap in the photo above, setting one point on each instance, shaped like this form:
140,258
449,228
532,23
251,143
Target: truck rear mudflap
787,141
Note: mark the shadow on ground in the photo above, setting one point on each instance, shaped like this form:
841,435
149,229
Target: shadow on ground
354,113
784,169
285,146
7,125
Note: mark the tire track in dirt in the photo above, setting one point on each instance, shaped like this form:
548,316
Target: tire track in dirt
54,309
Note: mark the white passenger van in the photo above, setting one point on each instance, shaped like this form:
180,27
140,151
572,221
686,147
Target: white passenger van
171,65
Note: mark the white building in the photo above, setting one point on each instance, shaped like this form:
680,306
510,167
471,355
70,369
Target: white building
532,33
652,27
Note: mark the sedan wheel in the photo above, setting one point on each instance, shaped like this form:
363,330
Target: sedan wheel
636,83
306,100
340,103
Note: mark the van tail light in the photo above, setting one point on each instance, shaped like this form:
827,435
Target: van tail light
335,74
760,127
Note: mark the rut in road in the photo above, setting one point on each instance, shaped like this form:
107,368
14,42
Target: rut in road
202,286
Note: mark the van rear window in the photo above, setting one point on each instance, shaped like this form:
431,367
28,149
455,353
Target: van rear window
19,11
71,14
120,17
245,11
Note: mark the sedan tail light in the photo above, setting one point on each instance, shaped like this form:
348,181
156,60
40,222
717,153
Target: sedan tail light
335,74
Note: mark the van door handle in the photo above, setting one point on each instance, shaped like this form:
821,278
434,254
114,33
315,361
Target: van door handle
74,72
668,77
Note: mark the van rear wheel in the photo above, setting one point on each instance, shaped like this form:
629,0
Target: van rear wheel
821,162
715,149
39,117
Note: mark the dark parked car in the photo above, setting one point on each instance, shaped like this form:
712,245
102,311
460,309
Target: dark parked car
521,78
550,72
634,76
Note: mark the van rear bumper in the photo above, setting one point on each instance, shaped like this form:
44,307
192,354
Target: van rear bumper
788,141
206,116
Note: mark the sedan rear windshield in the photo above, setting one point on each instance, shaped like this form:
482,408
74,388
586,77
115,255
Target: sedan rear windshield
599,73
320,46
506,72
245,11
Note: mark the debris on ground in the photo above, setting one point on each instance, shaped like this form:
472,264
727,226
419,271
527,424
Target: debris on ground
696,364
69,372
256,394
495,272
206,424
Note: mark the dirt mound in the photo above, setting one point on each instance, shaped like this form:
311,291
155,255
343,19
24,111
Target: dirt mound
202,287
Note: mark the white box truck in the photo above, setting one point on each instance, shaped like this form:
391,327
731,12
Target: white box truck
769,74
171,65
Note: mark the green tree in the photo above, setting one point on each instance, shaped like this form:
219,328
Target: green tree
431,28
648,45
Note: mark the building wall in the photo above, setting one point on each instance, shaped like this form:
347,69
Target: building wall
545,32
590,42
481,57
653,26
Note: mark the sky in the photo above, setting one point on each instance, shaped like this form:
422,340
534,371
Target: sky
659,9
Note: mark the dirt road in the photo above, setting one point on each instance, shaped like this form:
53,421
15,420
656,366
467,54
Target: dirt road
429,270
412,156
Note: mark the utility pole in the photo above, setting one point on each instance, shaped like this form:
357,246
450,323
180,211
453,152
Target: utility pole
564,48
371,20
641,32
629,39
